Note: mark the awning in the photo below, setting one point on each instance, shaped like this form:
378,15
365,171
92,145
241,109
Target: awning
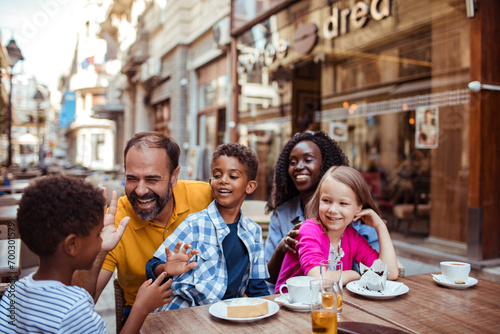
26,139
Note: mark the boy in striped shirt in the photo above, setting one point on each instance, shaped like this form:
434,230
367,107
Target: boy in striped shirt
61,219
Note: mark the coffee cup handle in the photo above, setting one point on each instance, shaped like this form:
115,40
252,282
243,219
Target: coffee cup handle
282,294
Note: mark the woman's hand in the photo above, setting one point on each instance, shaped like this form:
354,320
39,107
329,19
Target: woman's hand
287,244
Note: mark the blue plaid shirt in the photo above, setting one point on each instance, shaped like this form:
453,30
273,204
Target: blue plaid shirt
205,231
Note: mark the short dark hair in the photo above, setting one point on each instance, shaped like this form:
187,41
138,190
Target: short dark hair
244,155
147,140
283,187
54,207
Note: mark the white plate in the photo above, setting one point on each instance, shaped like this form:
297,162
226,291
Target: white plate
299,307
219,310
392,289
471,281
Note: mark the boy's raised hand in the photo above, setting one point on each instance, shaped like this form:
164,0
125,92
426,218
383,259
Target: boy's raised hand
152,295
110,234
178,262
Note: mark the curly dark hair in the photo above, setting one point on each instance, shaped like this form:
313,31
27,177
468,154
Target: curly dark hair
147,140
283,187
244,155
56,206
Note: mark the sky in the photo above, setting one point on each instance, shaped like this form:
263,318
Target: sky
46,33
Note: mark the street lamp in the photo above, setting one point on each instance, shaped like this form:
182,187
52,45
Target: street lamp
39,98
14,56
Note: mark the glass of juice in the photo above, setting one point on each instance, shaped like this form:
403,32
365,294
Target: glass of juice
333,270
323,306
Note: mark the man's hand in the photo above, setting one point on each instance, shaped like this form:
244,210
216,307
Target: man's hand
178,262
110,234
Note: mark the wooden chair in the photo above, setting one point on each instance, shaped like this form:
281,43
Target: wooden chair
3,287
119,305
401,269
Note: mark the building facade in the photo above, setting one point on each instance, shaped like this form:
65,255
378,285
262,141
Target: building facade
388,80
177,78
90,139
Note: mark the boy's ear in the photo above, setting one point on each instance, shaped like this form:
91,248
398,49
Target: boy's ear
71,244
251,186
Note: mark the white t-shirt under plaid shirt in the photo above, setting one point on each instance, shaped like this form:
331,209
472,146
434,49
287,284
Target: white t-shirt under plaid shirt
48,307
207,282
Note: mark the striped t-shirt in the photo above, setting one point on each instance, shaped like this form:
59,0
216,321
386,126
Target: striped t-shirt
31,306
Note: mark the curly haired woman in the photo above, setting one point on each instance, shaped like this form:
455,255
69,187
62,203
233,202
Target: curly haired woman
302,163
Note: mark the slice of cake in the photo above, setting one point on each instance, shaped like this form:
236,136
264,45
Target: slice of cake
247,308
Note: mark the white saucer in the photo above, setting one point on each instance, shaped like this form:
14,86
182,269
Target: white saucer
219,310
471,281
299,307
392,289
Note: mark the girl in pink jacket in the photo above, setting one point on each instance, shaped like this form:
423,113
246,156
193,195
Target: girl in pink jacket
342,196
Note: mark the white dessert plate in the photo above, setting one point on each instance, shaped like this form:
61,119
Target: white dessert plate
219,310
471,281
392,289
299,307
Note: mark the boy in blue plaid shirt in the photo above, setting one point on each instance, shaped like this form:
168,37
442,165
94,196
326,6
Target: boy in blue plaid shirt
229,247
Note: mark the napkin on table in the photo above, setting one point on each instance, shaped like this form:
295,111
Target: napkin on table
373,278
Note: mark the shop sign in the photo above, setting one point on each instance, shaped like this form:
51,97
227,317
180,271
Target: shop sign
341,21
264,57
305,37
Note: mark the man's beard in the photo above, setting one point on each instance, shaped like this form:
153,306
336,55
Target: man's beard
160,203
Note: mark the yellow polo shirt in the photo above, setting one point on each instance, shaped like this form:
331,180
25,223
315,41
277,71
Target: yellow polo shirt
142,238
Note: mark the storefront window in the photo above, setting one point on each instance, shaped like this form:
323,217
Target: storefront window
266,139
388,82
213,93
246,10
162,117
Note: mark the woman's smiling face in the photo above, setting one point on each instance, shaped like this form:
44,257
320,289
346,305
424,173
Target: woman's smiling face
304,166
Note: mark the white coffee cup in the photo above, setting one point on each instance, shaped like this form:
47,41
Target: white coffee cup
455,272
298,289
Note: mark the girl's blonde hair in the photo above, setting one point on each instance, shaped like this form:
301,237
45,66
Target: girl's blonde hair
351,178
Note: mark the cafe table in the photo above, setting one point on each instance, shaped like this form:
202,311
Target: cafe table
10,257
10,199
16,186
198,320
432,308
8,213
426,308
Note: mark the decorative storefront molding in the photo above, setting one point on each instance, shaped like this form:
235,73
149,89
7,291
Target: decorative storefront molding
441,99
273,124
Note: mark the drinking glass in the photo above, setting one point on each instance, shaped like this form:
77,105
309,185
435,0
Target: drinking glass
323,306
333,270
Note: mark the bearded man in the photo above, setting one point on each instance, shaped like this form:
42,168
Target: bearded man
156,202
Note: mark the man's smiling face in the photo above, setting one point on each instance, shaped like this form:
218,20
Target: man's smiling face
148,182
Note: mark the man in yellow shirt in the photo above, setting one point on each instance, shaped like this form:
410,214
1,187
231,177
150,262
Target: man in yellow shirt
156,202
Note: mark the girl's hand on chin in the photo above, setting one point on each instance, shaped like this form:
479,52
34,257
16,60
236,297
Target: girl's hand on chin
369,217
